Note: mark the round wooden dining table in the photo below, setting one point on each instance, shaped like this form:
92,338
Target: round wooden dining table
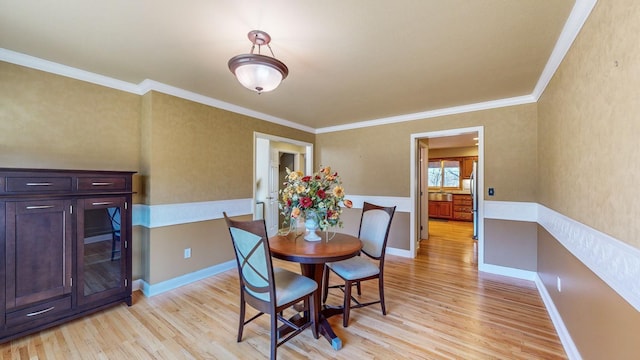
312,255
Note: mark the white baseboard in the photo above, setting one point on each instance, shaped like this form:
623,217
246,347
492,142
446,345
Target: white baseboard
398,252
155,289
507,271
565,338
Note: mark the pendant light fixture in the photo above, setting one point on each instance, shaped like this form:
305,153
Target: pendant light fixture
258,72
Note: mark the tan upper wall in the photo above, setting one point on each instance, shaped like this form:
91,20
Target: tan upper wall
179,141
376,160
201,153
51,121
589,127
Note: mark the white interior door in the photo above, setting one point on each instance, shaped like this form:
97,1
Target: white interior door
271,217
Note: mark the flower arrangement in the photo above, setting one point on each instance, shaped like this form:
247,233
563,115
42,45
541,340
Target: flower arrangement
318,195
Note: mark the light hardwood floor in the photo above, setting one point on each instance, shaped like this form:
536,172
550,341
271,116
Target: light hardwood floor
439,307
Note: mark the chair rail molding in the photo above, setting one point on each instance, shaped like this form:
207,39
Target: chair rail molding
615,262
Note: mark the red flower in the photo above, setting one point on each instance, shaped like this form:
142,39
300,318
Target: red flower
306,202
321,194
306,178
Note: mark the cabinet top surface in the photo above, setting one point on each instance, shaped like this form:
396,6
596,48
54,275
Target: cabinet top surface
47,182
63,171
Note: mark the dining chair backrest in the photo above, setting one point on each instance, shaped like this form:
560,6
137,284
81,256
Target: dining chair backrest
375,224
114,218
268,290
253,258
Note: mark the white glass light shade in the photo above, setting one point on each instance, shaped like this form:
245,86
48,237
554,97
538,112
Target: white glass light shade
257,77
258,72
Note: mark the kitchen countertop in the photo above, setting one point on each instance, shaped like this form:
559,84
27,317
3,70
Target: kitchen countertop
454,192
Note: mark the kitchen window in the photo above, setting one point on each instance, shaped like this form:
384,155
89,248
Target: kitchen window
444,173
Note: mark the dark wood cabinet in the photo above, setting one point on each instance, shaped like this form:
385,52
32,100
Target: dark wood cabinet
38,251
64,239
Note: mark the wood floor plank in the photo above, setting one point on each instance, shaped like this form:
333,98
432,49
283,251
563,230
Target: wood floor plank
438,307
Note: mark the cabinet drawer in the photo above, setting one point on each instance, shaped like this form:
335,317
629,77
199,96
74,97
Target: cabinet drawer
462,216
34,184
43,312
466,209
462,202
102,183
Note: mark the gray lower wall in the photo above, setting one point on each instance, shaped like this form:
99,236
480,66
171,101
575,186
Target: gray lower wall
511,244
601,323
399,235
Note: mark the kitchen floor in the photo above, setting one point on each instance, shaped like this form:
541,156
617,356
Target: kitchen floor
444,233
450,228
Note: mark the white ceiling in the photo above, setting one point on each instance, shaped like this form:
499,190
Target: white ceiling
349,61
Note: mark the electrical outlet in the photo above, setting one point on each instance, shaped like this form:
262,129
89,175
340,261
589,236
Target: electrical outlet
491,192
559,283
187,253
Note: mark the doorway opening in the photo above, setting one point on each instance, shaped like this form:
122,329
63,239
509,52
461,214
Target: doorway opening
442,164
272,155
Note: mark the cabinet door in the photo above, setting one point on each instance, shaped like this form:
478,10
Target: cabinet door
102,248
446,209
38,244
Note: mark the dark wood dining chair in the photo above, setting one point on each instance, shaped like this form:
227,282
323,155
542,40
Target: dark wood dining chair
375,223
267,289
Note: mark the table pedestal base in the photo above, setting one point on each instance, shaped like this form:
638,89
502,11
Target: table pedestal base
315,272
312,257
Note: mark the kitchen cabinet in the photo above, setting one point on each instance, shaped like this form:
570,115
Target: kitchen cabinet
440,209
462,207
467,166
65,237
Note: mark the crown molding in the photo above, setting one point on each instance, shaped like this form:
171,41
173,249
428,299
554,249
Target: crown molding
526,99
148,85
66,71
578,16
140,89
572,27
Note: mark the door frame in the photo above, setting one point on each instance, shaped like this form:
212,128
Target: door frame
258,135
414,229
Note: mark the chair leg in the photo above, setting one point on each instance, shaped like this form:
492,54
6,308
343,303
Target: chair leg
313,314
347,303
359,288
114,239
241,324
274,335
325,285
381,289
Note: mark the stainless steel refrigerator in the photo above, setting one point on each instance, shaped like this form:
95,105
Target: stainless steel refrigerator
474,198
